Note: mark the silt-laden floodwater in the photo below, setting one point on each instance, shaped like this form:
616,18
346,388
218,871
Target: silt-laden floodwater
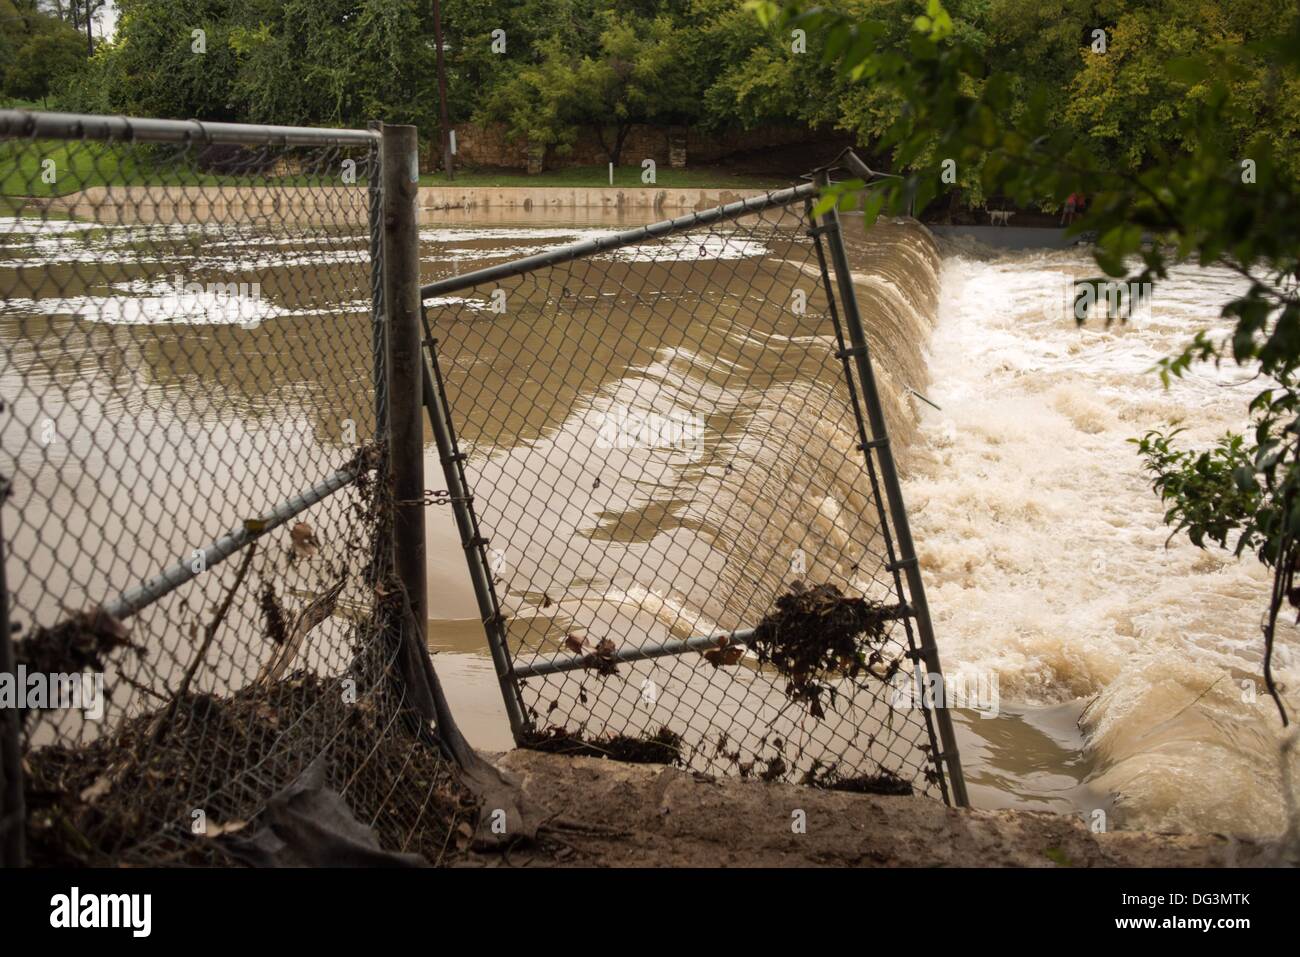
1119,659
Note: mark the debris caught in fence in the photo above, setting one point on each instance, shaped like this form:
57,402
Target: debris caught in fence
86,803
83,642
817,633
829,778
662,747
602,660
248,658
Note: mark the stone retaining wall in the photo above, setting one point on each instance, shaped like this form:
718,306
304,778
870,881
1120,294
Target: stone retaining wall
668,146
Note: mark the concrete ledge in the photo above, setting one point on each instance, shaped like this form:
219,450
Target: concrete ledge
527,198
348,205
171,203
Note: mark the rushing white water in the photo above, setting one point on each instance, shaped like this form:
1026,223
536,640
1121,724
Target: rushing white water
1045,553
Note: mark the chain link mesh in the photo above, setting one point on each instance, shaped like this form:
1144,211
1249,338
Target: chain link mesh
186,351
661,439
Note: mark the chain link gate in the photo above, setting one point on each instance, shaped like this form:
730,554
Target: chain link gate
194,350
649,437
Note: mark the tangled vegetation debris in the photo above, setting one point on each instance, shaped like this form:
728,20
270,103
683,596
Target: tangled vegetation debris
662,747
828,778
815,633
106,802
602,660
80,643
273,614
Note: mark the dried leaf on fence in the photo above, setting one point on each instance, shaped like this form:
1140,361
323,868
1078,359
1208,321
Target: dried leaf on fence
277,628
303,541
729,655
602,660
229,827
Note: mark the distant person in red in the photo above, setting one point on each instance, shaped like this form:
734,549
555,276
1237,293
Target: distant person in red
1073,206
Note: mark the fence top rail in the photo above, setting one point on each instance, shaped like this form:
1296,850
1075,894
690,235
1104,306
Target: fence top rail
629,237
27,123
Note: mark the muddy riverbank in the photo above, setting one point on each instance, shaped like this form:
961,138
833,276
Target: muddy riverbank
640,815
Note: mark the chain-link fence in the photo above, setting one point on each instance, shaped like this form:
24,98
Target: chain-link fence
198,531
664,450
669,466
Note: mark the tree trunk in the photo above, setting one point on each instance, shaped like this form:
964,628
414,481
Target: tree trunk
620,135
443,123
90,39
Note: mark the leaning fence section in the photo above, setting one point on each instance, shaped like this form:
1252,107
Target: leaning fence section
197,531
671,480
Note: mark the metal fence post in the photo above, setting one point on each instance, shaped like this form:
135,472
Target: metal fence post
375,215
480,574
404,371
13,819
907,561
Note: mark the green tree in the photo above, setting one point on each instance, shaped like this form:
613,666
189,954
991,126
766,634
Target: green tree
479,64
1129,106
636,71
334,62
37,51
169,58
328,62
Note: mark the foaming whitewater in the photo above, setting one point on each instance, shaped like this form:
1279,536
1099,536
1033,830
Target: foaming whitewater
1046,558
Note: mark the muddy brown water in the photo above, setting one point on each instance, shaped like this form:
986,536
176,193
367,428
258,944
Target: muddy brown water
274,405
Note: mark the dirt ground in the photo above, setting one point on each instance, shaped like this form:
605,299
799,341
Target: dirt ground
628,815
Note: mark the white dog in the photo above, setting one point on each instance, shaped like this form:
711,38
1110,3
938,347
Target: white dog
1000,216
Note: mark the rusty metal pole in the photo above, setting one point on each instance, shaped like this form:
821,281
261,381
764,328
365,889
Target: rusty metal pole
404,371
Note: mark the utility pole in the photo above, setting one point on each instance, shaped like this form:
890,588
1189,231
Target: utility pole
444,127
